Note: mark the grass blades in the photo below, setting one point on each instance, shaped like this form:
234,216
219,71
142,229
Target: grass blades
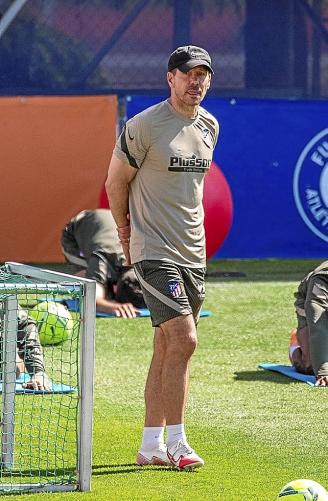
256,430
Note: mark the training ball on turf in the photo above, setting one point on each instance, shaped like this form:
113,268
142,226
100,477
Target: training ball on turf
55,322
303,490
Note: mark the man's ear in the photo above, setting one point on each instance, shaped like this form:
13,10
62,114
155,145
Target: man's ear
169,77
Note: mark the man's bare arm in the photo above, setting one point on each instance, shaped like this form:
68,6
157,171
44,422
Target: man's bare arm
120,174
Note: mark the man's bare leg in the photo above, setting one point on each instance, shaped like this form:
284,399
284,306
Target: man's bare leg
166,392
153,390
181,341
168,377
153,448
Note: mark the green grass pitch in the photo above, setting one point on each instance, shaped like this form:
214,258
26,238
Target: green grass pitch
256,430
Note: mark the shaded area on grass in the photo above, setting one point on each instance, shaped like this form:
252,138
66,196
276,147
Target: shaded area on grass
264,270
260,375
114,469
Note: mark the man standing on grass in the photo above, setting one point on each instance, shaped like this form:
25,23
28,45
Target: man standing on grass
155,189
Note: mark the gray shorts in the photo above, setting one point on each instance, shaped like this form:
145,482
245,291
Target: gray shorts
170,290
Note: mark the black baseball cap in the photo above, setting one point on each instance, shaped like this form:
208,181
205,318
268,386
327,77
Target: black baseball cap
187,57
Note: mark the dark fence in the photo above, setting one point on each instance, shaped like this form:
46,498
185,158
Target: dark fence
271,48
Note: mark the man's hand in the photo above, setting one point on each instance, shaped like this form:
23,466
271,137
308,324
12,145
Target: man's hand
123,310
104,305
321,381
38,381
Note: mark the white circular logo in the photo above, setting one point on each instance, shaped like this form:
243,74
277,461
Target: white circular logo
310,184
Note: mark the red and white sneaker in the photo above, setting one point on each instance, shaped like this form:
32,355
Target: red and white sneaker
183,457
154,456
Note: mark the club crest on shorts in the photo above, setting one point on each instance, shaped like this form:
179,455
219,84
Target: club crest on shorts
175,288
310,185
201,290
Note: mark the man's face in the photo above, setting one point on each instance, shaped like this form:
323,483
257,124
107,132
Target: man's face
189,88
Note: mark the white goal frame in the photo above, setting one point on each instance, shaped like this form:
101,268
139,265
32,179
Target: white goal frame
64,282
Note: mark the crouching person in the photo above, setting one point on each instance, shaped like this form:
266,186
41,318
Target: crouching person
309,346
29,354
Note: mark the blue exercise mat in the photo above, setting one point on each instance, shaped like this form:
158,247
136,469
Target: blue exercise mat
74,305
144,312
289,371
56,387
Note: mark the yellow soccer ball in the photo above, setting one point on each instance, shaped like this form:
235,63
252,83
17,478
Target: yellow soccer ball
54,321
303,490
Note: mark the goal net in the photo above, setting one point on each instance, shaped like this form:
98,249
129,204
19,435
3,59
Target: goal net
47,323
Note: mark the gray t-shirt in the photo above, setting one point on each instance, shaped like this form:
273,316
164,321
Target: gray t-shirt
303,288
172,154
92,236
95,231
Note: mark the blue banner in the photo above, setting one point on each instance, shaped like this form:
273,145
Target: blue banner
274,155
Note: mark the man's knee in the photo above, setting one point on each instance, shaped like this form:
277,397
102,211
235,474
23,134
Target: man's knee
181,336
190,344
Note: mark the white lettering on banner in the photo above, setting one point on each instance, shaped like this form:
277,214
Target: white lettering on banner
315,205
320,154
311,194
323,149
317,159
310,184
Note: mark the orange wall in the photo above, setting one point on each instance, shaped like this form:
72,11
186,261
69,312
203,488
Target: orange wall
54,154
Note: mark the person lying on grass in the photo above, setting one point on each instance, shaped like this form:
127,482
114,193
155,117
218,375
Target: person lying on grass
90,242
308,349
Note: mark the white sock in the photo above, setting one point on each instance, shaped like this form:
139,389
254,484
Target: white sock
152,438
175,432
